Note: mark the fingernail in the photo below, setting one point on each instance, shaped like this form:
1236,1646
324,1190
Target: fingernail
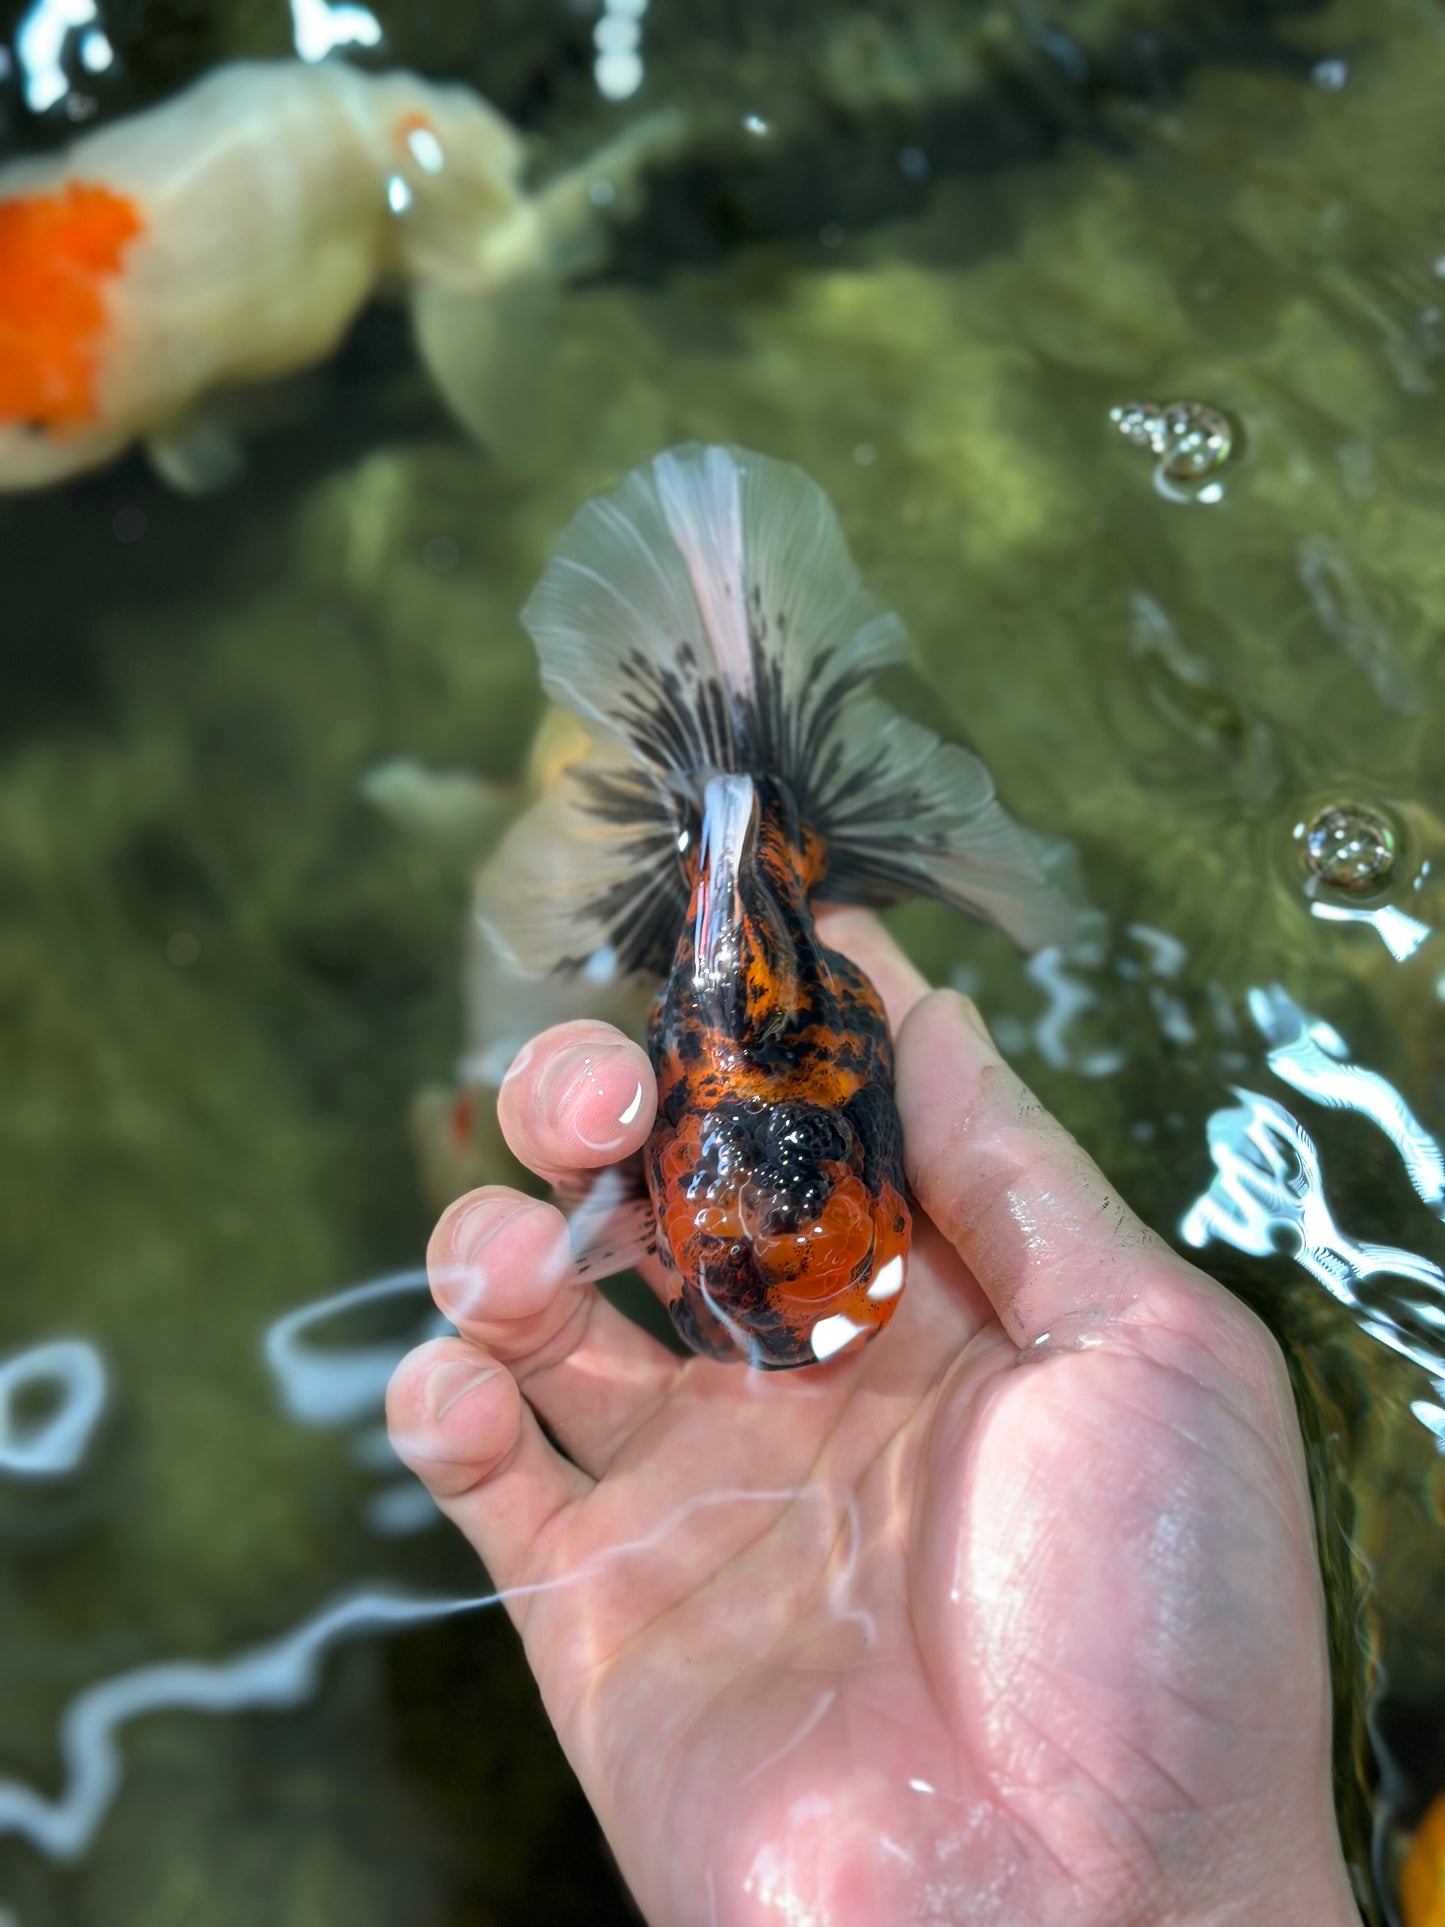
451,1382
565,1085
518,1064
559,1083
475,1229
460,1288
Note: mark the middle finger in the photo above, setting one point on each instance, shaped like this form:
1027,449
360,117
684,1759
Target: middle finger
500,1269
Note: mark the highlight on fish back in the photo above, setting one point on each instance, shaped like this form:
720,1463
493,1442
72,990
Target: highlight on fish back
705,617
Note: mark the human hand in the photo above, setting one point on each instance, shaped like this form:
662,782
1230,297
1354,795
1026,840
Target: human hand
1011,1617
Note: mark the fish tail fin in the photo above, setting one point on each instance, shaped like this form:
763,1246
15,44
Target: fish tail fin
705,617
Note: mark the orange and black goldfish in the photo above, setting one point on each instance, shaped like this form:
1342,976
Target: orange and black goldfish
231,236
706,620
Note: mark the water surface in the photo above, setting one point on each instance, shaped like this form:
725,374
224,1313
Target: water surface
927,273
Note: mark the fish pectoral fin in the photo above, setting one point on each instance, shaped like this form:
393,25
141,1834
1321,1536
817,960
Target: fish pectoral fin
490,355
197,456
610,1220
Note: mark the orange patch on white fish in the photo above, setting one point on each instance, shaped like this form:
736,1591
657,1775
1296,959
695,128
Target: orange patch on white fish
406,125
58,253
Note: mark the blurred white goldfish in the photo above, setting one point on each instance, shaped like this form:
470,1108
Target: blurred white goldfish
231,236
454,1127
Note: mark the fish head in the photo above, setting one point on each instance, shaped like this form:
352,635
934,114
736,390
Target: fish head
452,167
786,1224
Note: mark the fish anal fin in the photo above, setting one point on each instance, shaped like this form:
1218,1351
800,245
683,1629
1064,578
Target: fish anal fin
610,1220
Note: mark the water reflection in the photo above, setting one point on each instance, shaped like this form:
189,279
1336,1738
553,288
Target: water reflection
1310,1055
1401,934
282,1673
285,1672
328,1384
53,1444
1268,1197
337,1384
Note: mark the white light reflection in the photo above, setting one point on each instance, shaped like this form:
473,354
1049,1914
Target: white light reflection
318,29
617,37
336,1385
331,1385
1269,1182
1068,998
1402,936
1268,1198
97,56
282,1673
1308,1054
808,1725
426,150
52,1446
40,43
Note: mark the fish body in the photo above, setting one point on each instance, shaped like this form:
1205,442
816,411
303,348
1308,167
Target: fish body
775,1165
232,234
706,620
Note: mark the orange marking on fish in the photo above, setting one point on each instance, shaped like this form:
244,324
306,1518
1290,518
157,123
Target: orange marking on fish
405,125
58,252
1422,1884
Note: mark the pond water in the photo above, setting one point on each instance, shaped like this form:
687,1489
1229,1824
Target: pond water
923,250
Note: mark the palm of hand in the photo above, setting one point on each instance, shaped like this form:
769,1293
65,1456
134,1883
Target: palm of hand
963,1627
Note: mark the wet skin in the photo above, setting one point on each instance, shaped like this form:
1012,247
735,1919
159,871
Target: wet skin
1012,1617
776,1163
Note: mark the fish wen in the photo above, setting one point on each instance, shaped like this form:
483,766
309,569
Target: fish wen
232,234
705,619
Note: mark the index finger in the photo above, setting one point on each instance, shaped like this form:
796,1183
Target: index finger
1029,1212
579,1096
863,939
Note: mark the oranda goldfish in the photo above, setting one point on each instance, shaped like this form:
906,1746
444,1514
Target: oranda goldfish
706,620
232,234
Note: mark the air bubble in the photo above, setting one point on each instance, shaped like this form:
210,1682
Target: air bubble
1349,847
1192,440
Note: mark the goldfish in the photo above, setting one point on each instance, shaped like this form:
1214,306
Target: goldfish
453,1127
1422,1883
231,236
706,621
